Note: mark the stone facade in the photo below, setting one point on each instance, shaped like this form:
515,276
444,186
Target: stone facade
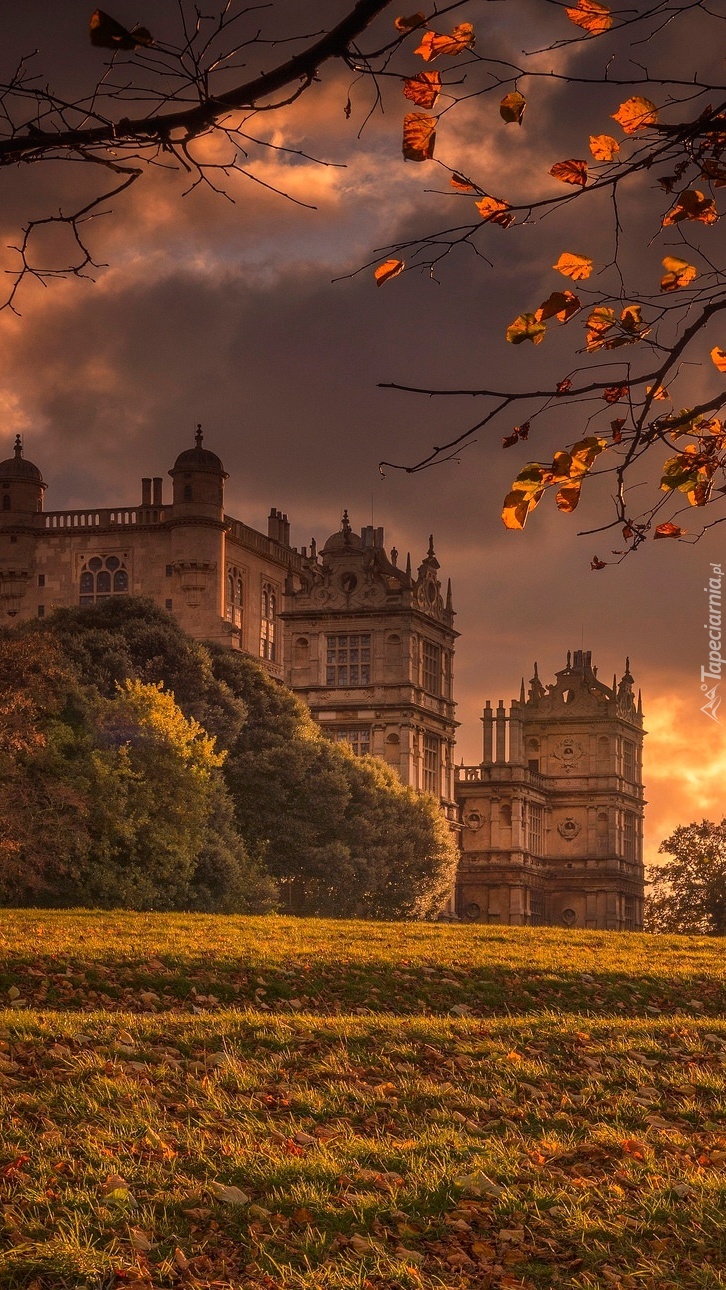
552,818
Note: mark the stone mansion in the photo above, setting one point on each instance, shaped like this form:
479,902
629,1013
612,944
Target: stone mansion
551,820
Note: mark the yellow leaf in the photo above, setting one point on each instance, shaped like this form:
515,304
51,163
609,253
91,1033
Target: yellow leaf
636,114
517,506
574,266
433,44
389,269
419,136
692,205
568,496
660,392
603,147
572,171
592,17
678,273
526,327
424,89
719,358
511,108
409,24
494,211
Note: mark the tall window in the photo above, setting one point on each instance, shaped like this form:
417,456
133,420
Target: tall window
349,659
535,828
359,738
268,644
235,597
431,667
629,761
101,577
431,764
629,845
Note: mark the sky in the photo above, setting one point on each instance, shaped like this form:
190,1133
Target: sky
250,316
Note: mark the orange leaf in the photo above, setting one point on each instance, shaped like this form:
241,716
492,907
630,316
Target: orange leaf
419,136
573,266
564,386
667,531
561,304
410,24
423,89
389,269
526,327
592,17
461,184
660,392
635,114
678,273
494,211
570,172
433,44
597,564
694,206
614,393
511,108
603,147
719,358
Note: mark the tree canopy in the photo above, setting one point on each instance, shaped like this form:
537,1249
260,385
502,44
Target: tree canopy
619,206
142,769
688,891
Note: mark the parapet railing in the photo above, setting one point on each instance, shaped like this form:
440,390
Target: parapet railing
107,517
476,774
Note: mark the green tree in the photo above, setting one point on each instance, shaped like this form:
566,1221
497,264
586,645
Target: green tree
340,833
688,891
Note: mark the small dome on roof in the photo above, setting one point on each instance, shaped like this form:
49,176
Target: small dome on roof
16,467
344,540
199,458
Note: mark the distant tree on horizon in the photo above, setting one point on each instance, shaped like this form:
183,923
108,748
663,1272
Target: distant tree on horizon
688,891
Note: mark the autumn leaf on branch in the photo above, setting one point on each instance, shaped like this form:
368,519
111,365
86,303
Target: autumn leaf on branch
461,38
718,356
419,136
463,185
669,531
519,432
614,393
692,205
389,269
511,108
526,327
592,17
678,273
636,114
595,563
411,23
494,211
577,267
560,304
567,471
603,147
689,472
423,89
106,33
572,171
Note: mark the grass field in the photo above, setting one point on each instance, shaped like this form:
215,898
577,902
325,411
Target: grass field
271,1103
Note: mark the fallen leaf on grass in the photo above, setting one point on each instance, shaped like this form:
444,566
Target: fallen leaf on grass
227,1194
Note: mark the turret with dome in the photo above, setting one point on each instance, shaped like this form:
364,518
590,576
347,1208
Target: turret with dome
21,485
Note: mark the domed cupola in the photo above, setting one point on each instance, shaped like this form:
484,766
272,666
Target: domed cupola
198,476
21,484
344,541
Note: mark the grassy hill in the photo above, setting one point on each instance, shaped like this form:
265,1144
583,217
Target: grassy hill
282,1104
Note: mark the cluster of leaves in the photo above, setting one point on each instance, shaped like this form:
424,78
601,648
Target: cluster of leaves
181,777
289,1153
693,148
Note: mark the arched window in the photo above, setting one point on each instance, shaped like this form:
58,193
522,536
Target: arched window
268,643
235,596
187,492
102,577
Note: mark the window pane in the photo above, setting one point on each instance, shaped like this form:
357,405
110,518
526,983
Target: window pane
86,584
120,580
103,583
